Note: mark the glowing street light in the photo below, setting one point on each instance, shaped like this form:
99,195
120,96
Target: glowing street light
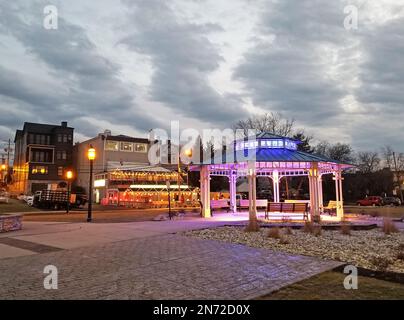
91,154
69,177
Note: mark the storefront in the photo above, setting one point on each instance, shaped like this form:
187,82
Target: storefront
149,187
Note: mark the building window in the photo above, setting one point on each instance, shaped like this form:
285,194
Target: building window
140,147
59,138
61,155
60,171
127,146
38,155
64,138
111,145
39,170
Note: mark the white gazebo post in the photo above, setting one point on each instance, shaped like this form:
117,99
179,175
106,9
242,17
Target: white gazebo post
252,188
205,191
275,180
338,192
320,192
233,191
314,191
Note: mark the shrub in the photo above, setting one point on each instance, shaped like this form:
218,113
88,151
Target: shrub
274,233
380,263
308,227
288,231
345,229
284,240
389,226
252,226
400,255
317,231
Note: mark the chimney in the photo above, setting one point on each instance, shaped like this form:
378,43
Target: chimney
64,124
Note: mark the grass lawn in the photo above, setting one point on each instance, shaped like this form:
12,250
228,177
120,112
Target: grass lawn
386,211
329,286
14,206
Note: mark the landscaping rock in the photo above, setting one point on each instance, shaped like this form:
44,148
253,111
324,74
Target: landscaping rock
364,248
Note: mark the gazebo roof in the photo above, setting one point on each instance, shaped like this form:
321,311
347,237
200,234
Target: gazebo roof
268,147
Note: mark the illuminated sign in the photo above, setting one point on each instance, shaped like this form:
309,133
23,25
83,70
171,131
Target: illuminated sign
99,183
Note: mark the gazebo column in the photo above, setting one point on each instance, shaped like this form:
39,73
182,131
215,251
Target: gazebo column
205,191
275,181
233,192
314,191
252,189
338,192
320,192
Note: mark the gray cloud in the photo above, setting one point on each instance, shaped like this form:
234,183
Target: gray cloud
90,85
286,70
299,61
183,56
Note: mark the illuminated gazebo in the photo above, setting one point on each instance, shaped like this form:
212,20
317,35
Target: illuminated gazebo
275,157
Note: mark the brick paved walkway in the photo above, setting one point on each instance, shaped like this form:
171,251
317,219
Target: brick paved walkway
158,267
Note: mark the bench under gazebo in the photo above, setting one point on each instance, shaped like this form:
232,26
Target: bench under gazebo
275,157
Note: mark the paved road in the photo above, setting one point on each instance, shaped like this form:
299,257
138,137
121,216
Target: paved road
164,266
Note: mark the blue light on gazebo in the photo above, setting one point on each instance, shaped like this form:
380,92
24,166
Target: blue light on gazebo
266,144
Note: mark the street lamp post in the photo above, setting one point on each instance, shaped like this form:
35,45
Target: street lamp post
91,157
188,153
3,170
69,177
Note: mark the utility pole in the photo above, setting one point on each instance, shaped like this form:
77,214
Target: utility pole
398,177
8,153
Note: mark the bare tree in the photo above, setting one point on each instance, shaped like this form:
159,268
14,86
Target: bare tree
392,159
395,162
340,151
368,161
268,122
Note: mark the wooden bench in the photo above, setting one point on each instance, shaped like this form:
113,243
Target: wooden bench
331,208
297,201
220,204
284,207
261,203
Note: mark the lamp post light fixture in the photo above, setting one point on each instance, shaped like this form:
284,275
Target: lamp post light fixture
3,170
91,154
188,153
69,177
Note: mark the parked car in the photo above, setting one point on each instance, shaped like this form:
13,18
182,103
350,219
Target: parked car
370,201
29,200
391,201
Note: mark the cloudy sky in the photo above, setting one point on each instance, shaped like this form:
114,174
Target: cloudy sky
133,65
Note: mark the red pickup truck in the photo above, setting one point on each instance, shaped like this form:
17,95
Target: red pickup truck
370,201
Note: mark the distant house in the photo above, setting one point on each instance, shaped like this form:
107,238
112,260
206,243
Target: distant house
123,174
43,152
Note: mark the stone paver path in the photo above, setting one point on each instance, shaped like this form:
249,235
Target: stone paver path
157,267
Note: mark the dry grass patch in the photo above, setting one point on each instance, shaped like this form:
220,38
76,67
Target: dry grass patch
274,233
345,229
389,226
